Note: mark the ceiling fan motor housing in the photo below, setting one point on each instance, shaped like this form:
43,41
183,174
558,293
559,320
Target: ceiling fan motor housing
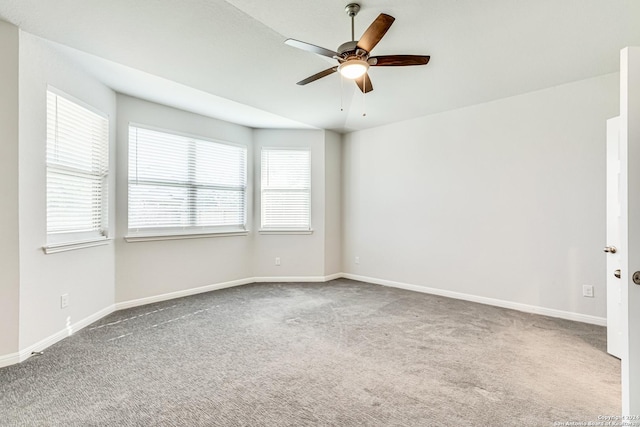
350,50
347,47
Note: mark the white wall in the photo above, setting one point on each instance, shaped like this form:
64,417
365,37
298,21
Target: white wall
87,275
301,255
504,200
148,269
9,243
333,203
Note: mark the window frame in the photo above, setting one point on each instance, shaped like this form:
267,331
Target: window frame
286,230
69,240
191,231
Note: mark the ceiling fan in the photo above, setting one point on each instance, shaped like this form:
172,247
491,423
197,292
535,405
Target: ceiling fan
353,56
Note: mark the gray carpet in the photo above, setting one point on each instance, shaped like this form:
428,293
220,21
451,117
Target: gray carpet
343,353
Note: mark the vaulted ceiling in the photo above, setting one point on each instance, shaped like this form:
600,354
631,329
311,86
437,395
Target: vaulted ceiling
228,58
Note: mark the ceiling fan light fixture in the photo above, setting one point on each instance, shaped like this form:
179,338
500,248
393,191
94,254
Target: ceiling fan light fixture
353,68
354,56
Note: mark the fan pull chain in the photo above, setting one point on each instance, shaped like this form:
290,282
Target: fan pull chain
364,95
341,91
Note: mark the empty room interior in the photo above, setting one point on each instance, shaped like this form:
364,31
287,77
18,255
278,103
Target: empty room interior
233,212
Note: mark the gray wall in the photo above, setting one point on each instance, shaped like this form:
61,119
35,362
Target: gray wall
333,203
86,275
301,255
9,243
504,200
148,269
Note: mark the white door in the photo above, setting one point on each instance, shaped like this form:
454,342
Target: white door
614,282
630,226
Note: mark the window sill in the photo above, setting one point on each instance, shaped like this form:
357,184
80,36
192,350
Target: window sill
159,236
268,232
71,246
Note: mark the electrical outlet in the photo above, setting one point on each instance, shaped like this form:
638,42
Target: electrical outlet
357,260
587,291
64,301
277,260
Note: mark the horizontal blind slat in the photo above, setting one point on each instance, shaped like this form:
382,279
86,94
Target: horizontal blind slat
286,188
77,167
177,181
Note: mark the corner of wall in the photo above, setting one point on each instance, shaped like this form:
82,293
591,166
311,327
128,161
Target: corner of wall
9,188
333,203
85,275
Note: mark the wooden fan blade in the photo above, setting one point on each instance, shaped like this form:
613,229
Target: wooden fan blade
311,48
375,32
398,60
364,83
317,76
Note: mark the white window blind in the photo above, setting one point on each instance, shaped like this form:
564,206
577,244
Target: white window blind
286,189
77,169
179,183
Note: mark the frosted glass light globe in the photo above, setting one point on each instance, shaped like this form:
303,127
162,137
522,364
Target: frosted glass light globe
353,68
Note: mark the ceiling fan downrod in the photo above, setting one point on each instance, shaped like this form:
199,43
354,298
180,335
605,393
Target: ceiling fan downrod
352,10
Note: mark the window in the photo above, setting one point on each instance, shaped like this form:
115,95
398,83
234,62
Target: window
183,185
77,170
286,189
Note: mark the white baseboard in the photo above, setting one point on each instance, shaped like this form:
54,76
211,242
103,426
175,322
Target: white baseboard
13,358
584,318
183,293
208,288
9,359
288,279
26,353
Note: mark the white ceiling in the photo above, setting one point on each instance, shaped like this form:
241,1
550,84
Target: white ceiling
227,59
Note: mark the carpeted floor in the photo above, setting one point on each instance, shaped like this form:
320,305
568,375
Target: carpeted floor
342,353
